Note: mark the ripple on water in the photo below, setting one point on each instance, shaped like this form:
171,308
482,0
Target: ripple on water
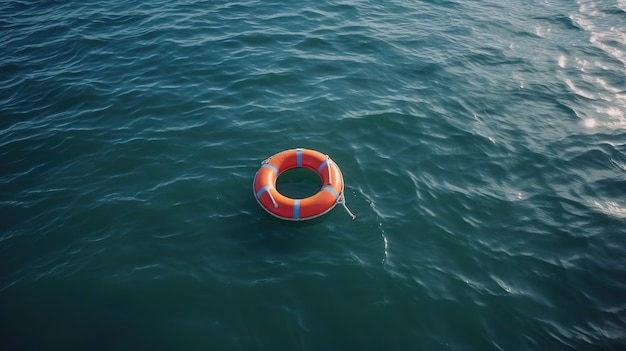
484,159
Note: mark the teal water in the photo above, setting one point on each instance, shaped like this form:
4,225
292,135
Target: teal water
482,143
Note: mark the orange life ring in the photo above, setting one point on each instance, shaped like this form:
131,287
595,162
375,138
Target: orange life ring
285,207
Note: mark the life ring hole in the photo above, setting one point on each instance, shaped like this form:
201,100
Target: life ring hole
299,183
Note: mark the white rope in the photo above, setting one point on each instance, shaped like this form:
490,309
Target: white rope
330,178
271,197
342,200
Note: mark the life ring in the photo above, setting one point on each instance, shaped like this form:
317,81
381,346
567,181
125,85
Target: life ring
288,208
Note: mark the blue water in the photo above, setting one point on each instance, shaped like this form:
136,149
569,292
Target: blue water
482,143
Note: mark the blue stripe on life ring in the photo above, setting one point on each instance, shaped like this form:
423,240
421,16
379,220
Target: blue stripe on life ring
319,169
272,167
296,209
262,190
332,191
299,157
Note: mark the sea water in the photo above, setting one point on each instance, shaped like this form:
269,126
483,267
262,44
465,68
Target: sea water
482,143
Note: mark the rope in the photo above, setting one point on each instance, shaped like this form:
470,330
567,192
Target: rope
342,200
330,178
271,197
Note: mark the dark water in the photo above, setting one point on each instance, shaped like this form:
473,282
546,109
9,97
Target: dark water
482,143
